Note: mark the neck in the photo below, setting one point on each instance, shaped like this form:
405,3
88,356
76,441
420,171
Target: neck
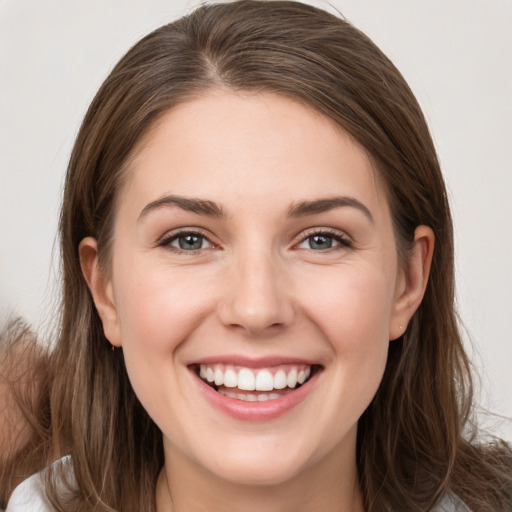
327,486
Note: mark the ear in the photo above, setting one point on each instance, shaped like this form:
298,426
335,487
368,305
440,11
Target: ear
412,281
101,289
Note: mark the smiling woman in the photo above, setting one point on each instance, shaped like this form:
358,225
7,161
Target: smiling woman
258,308
277,316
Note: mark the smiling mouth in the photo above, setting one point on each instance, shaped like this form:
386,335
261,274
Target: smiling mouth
255,385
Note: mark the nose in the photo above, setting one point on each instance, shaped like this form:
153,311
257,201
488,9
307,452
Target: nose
257,298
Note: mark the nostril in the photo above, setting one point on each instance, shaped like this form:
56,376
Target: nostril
257,328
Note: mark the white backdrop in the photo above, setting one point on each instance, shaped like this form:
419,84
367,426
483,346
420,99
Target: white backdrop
456,55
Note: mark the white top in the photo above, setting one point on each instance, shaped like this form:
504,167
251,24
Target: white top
30,496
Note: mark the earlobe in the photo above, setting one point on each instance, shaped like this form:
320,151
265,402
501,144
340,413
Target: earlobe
101,289
413,281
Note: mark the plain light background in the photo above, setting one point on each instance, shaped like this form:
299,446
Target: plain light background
455,54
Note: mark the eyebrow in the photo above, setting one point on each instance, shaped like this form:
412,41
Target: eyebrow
190,204
212,209
322,205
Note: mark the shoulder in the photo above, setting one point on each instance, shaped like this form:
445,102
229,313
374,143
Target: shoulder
30,495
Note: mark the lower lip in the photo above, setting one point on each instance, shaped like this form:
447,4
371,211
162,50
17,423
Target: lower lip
256,411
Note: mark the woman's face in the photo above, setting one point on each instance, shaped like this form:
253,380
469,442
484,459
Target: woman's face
253,247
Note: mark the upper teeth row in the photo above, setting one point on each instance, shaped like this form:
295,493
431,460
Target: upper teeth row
251,380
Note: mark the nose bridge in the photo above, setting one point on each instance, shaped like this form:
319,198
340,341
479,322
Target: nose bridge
256,298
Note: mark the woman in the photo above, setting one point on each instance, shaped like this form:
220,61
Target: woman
258,286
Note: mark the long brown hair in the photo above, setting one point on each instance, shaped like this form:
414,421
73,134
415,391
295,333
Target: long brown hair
413,444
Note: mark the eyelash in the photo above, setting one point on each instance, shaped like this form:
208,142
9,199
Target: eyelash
166,242
340,238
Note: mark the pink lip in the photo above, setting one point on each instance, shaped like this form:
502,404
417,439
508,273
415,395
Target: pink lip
249,362
255,411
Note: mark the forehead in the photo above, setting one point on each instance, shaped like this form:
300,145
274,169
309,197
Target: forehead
264,148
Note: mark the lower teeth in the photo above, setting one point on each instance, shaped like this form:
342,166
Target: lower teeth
260,397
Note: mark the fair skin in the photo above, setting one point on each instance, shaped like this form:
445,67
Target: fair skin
267,279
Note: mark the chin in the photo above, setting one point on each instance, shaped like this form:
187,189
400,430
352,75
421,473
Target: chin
259,463
257,474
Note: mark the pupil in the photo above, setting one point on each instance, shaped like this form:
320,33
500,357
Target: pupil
320,242
190,242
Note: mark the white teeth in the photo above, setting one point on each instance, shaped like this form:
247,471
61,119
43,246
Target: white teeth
230,378
264,381
263,397
280,381
291,380
246,380
219,377
210,375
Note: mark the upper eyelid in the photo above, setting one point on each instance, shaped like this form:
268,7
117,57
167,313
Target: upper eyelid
323,231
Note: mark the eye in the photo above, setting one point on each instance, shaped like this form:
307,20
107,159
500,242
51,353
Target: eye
187,241
323,241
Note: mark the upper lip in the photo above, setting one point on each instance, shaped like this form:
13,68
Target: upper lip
252,362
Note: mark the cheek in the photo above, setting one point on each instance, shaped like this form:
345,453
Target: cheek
352,306
158,308
352,312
